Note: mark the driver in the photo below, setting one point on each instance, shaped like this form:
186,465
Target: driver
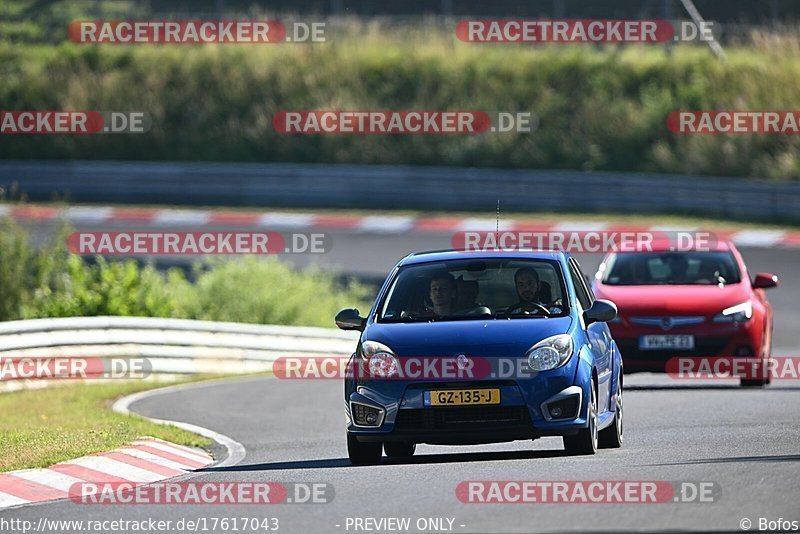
679,267
526,280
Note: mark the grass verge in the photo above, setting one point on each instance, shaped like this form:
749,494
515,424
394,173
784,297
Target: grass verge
42,427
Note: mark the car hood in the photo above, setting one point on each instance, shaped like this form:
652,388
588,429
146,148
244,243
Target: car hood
495,337
673,299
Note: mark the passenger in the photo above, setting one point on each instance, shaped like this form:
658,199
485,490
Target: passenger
442,294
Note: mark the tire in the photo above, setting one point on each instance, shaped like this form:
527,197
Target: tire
363,453
585,441
757,382
612,437
399,449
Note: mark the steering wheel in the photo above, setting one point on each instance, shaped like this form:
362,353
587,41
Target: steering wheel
479,310
527,308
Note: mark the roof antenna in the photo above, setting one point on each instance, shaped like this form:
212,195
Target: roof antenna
497,226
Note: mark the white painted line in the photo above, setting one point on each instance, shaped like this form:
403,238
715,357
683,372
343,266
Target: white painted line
150,457
287,220
88,214
671,228
483,225
201,455
578,226
386,225
117,469
172,450
53,479
181,217
758,238
7,500
236,451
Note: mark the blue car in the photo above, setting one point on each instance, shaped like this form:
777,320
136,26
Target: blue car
482,347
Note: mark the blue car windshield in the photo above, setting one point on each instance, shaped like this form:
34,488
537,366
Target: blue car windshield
471,289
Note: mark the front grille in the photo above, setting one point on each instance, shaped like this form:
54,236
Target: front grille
667,323
461,417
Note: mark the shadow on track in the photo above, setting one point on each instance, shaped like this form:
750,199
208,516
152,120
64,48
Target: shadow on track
735,459
333,463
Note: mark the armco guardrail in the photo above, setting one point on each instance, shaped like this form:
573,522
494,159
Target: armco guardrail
402,187
172,346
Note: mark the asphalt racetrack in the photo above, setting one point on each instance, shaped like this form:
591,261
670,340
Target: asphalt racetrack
747,442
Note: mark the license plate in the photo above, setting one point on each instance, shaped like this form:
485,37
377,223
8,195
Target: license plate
669,342
461,397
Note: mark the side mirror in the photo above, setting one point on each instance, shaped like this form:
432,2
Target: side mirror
765,281
349,319
601,311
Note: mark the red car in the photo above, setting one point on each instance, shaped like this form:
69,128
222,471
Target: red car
682,304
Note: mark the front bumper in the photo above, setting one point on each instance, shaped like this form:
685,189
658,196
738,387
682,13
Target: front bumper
523,412
710,341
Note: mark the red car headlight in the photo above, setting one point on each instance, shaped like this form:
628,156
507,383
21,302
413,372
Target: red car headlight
735,314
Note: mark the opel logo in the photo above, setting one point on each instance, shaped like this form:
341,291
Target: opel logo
462,361
666,323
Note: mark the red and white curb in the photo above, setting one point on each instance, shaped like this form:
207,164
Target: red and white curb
144,461
390,224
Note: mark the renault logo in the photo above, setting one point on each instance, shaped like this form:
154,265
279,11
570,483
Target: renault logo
462,361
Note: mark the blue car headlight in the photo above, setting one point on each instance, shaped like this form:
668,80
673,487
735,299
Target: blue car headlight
550,353
381,360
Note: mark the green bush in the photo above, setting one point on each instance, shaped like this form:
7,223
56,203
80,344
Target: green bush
251,290
51,282
104,288
599,108
16,280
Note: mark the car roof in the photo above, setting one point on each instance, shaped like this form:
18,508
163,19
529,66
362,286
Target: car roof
444,255
670,245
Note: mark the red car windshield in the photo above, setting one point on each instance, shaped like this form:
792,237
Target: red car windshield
671,268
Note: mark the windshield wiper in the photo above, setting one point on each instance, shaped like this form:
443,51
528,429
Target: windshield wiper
406,319
434,318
